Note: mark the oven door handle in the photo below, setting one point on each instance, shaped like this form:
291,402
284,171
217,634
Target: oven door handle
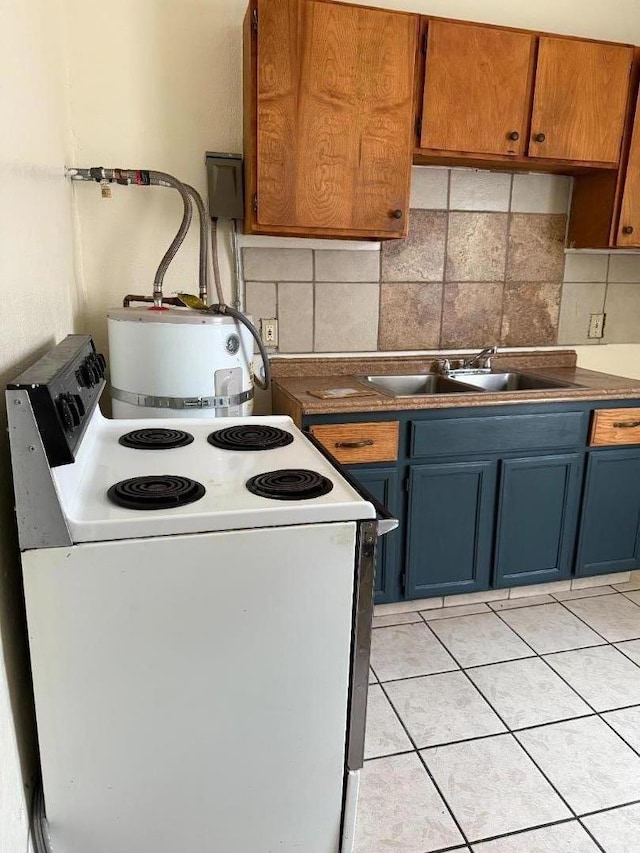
386,519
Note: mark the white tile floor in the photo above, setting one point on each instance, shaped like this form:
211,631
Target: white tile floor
514,731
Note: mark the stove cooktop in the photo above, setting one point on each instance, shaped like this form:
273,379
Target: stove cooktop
226,502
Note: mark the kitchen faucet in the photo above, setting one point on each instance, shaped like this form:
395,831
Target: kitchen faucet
487,351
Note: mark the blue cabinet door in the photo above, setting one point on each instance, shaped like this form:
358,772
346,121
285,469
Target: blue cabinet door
384,484
610,524
449,528
537,518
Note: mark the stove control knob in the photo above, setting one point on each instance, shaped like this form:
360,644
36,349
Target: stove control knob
73,408
85,375
68,411
97,366
102,361
81,378
79,404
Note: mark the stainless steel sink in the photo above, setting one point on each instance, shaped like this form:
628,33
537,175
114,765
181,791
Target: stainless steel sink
412,386
510,382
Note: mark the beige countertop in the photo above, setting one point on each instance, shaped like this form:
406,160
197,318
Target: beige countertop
293,379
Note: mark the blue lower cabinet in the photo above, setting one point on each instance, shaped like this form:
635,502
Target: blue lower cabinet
538,503
449,528
610,525
384,484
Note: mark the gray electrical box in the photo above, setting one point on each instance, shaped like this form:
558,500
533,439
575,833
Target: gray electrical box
225,186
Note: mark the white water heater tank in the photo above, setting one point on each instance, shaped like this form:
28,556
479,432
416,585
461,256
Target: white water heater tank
178,363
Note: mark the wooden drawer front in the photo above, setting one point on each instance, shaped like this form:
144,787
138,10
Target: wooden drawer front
499,434
615,426
370,442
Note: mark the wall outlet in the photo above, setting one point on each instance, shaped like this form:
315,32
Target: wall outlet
269,331
596,326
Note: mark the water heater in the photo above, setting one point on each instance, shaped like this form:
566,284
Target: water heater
179,363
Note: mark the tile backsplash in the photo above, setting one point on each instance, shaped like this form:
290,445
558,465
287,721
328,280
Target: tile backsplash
484,263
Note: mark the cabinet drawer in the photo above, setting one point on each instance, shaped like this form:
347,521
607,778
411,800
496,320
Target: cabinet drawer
363,442
499,434
615,426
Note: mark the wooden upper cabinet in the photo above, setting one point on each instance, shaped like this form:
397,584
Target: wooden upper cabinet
629,224
329,116
580,100
477,94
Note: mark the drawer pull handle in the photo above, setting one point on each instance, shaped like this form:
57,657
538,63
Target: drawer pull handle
355,445
626,424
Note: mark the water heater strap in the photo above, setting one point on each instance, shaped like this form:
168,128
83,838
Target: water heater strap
152,402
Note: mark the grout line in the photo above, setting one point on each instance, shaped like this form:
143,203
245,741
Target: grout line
584,622
513,732
506,261
444,260
277,287
430,775
509,733
314,313
597,713
313,302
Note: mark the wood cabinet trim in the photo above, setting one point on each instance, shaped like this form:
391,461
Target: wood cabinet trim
515,162
352,443
539,33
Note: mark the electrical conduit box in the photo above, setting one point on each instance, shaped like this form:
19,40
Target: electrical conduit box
225,186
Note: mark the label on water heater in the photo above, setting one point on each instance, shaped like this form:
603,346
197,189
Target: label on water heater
228,382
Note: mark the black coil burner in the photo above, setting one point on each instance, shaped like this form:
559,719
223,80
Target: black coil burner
290,484
161,491
156,438
250,437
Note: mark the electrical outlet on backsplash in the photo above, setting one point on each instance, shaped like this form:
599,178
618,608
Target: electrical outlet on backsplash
484,262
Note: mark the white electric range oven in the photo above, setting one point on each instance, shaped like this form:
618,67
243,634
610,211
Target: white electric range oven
199,599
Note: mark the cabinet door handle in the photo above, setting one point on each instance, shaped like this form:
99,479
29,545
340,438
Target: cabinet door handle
626,424
396,214
355,445
513,135
628,229
539,137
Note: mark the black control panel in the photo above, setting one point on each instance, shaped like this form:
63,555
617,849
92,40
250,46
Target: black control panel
64,387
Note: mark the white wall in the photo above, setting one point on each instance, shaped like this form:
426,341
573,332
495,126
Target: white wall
37,303
165,85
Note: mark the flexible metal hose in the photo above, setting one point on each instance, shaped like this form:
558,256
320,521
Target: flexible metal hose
144,177
238,315
223,308
203,276
164,179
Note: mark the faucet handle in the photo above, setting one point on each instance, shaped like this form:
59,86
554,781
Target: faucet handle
488,360
444,365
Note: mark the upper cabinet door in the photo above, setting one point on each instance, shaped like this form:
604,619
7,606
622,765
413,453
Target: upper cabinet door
334,118
580,100
477,95
629,224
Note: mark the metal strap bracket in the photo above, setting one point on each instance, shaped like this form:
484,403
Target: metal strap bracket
152,402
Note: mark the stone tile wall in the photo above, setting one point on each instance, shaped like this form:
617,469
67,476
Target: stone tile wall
484,263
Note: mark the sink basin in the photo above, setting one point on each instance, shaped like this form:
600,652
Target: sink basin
511,382
411,386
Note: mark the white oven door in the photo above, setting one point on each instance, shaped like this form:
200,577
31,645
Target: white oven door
192,691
